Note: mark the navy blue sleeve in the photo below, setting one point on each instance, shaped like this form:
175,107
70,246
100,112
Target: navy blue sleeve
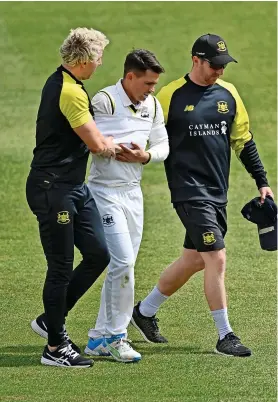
250,158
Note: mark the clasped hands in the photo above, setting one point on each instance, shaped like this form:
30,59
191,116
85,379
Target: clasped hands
122,153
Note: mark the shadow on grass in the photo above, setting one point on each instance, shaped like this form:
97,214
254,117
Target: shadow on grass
167,349
30,355
146,348
20,355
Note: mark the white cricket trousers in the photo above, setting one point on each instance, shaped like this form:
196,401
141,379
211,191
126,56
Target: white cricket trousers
121,210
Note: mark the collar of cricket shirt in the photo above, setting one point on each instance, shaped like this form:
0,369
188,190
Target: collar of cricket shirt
124,98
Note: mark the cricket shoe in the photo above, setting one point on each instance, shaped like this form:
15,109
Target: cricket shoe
65,356
230,345
39,326
96,347
119,348
147,326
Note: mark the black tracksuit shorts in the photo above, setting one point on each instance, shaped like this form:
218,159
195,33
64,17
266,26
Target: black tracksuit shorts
205,224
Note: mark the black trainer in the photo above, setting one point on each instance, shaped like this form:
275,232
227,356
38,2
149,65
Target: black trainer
65,356
147,326
230,345
39,326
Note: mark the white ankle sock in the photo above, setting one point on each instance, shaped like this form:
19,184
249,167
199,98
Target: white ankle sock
222,322
150,305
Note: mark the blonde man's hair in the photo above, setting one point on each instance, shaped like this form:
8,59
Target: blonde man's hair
82,45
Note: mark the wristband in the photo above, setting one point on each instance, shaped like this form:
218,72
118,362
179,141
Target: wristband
150,156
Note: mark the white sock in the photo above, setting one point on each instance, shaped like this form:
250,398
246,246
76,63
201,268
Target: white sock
150,305
222,322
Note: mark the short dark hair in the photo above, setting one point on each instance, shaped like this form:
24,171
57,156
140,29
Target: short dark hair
141,60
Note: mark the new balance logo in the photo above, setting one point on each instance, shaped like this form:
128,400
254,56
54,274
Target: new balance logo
189,108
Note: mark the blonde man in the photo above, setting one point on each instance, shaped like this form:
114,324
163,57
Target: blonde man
56,193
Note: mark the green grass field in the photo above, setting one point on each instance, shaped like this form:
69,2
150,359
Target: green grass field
185,369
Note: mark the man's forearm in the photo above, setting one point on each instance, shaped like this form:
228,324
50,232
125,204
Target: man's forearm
93,138
250,158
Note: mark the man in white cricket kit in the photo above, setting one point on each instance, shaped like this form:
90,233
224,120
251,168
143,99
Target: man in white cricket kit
134,117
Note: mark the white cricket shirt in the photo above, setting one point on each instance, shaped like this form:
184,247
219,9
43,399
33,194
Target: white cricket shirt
115,115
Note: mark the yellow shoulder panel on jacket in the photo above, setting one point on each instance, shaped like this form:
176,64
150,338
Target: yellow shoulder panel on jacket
165,95
74,102
240,133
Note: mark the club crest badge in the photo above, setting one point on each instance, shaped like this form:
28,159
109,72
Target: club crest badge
221,46
145,113
209,238
222,107
108,220
63,217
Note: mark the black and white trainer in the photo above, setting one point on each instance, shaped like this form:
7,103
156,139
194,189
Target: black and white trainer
230,345
40,327
65,356
147,326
